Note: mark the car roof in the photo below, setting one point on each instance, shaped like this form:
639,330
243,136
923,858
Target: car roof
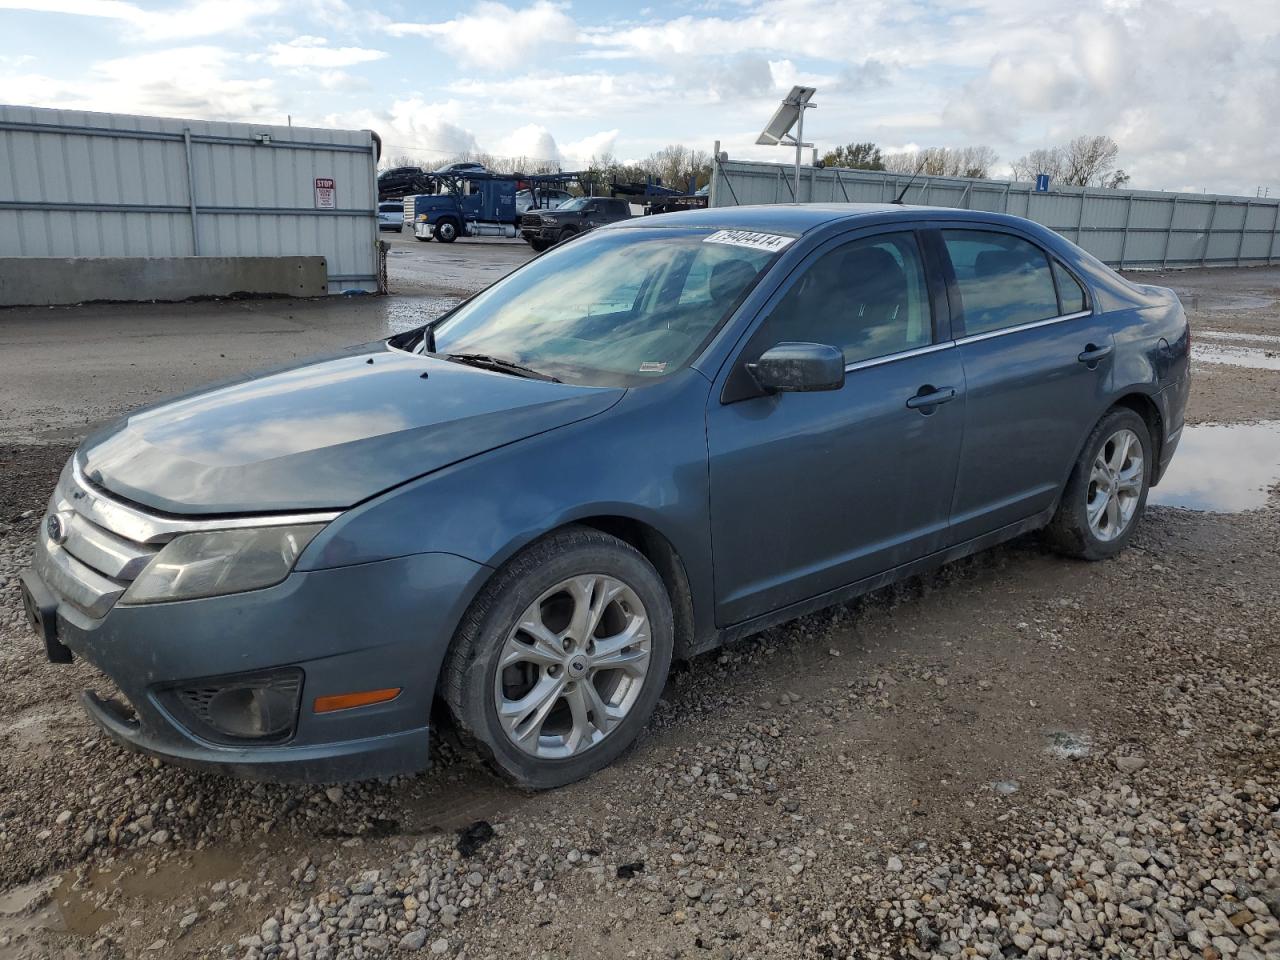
796,219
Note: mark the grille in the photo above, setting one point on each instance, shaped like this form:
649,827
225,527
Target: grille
531,220
81,556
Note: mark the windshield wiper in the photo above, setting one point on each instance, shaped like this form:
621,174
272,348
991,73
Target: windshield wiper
484,361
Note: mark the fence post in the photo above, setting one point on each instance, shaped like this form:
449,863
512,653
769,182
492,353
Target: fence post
1208,234
1124,239
1244,226
1084,198
1275,232
191,193
1007,186
1173,213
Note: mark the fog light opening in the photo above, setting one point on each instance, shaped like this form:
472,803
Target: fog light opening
251,712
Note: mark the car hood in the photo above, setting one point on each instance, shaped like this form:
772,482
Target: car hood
324,434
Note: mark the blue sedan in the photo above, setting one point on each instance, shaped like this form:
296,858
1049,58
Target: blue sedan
654,439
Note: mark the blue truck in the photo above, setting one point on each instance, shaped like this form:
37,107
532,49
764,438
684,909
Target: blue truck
474,204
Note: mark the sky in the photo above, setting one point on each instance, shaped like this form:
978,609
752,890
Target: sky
1189,90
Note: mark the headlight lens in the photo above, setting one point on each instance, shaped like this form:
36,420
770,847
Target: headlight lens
225,561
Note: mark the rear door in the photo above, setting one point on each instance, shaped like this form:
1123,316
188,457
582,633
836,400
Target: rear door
1037,359
814,491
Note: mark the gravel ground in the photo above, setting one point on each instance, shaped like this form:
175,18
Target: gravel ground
1015,757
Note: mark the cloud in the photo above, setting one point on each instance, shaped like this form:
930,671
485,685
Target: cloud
531,142
316,52
580,152
426,133
179,82
494,35
202,18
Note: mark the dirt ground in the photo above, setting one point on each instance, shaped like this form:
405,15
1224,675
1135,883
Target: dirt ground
1017,756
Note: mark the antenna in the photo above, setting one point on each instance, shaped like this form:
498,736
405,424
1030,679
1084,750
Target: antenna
920,167
790,113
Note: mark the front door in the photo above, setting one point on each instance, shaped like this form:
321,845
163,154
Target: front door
814,491
1036,362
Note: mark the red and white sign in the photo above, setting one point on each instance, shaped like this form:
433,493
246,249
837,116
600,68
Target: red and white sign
326,194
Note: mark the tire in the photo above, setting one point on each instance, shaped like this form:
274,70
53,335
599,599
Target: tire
446,231
534,588
1090,489
539,245
565,234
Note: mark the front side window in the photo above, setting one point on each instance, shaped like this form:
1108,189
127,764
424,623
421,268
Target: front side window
868,297
1004,280
616,308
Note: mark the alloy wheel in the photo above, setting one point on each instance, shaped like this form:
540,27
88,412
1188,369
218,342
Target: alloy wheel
573,666
1115,485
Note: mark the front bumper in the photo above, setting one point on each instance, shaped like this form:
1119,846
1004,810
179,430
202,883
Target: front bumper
363,627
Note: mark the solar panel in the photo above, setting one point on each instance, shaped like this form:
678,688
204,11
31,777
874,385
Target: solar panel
785,117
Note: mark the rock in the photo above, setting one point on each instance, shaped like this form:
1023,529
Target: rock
440,946
894,865
1130,764
334,794
416,940
63,817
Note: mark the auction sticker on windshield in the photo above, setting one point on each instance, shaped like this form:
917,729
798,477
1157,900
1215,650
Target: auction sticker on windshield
745,238
771,242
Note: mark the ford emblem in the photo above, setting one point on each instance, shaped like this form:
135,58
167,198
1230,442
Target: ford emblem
56,529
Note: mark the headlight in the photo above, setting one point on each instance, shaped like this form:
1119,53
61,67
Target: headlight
224,561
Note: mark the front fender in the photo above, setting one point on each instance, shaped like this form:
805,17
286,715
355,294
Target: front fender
644,460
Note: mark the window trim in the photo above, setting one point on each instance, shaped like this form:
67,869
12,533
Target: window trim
958,318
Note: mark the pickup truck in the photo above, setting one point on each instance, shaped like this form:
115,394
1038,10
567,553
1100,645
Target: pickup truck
542,228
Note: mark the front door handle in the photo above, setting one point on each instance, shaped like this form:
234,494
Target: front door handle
1092,353
928,397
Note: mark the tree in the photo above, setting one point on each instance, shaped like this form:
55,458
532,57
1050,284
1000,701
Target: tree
1086,161
975,161
675,164
863,155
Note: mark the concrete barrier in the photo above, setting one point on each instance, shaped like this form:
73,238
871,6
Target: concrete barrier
42,281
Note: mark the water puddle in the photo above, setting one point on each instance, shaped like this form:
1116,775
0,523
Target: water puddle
1225,468
1256,358
1244,337
1069,746
403,313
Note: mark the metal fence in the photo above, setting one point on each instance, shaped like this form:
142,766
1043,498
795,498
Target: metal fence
78,184
1138,229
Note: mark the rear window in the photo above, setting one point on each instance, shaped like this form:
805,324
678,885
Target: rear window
1004,280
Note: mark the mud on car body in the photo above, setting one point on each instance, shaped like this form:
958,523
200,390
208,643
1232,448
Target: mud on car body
671,433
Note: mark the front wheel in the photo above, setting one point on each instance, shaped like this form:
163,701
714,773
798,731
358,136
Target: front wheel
539,245
446,231
560,660
1107,491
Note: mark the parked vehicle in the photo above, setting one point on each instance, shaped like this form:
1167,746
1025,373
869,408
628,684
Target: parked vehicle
669,434
544,227
540,199
476,204
391,215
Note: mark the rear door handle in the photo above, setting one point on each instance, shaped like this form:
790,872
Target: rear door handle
928,398
1092,354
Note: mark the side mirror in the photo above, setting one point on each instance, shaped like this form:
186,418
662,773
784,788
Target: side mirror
799,368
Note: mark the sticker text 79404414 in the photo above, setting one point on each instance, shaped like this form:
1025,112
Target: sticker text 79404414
746,238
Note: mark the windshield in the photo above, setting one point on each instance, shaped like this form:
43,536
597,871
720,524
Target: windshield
575,204
615,308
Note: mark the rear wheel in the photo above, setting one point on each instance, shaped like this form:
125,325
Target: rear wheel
560,660
1107,491
446,231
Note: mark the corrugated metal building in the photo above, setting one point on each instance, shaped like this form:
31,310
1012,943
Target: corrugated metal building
75,184
1136,229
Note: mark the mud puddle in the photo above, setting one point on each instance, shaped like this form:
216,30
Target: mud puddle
1225,468
1242,337
1215,302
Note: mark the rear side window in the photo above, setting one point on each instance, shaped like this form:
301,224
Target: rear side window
867,297
1004,280
1070,293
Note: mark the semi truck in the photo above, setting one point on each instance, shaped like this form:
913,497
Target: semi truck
476,204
